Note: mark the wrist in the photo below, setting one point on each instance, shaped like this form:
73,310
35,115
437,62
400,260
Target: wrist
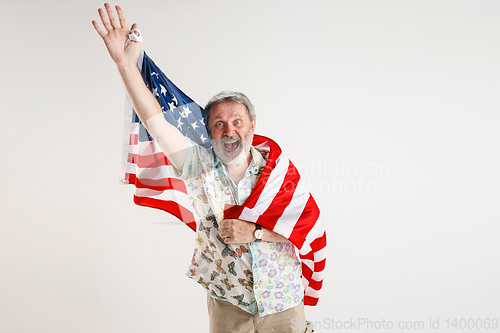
258,232
126,66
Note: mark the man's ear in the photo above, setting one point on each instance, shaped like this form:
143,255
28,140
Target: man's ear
253,124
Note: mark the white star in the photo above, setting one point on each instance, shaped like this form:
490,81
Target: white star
182,114
175,100
202,138
194,125
154,73
155,92
202,120
179,124
163,90
186,111
171,106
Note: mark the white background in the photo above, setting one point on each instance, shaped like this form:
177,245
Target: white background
390,110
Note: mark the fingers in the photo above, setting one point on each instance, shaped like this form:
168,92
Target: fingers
104,20
230,241
121,16
225,232
226,229
97,28
110,22
114,23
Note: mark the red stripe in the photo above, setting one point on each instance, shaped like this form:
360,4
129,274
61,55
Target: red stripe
233,211
319,243
319,266
134,139
161,184
259,139
127,178
282,199
306,272
307,256
305,223
311,301
316,285
152,160
170,207
132,158
275,152
131,178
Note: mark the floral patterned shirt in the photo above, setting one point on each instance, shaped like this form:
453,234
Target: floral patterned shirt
256,276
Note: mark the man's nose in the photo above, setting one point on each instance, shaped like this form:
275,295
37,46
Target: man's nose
229,130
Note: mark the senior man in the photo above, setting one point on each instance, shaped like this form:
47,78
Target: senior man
252,275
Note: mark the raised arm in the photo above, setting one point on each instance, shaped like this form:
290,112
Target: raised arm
125,53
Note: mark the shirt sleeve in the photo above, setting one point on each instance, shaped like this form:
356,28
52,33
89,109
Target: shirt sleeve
191,167
197,157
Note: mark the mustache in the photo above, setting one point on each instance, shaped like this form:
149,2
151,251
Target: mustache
229,138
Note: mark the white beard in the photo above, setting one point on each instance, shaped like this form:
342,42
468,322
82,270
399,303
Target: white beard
235,157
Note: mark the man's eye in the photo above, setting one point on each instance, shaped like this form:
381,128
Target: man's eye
237,122
218,123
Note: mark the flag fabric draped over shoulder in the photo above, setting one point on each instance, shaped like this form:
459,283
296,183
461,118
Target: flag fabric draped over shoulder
279,201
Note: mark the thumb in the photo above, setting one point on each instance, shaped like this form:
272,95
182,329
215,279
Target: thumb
135,35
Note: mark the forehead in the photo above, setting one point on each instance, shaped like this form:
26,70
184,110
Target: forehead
228,110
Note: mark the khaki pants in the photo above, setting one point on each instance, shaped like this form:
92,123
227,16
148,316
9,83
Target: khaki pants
228,318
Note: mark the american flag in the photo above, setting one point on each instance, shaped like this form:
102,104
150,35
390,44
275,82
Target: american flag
143,162
279,201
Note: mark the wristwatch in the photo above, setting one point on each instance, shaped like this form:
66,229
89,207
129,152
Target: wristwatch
258,233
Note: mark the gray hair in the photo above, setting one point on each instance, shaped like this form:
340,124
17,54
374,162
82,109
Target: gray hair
229,96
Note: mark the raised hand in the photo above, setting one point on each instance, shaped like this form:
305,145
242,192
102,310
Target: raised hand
122,50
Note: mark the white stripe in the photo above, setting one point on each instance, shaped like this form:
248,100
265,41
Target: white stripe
169,195
128,168
163,171
305,249
320,255
133,149
286,223
249,215
309,263
316,232
312,292
317,276
273,185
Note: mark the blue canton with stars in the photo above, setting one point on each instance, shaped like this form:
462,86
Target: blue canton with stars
178,109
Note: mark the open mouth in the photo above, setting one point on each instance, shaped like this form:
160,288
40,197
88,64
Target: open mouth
231,146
